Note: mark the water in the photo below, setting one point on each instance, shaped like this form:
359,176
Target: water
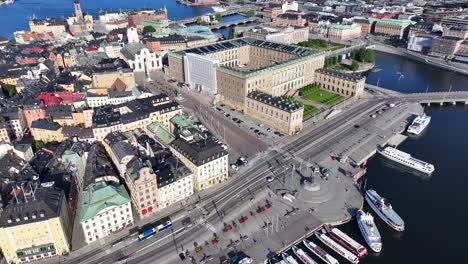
434,209
416,76
15,17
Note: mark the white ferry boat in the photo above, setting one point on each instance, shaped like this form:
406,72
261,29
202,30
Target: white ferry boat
327,258
303,256
337,248
419,124
384,210
288,258
406,159
218,9
369,230
6,2
346,241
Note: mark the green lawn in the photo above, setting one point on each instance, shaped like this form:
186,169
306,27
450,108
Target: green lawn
321,45
321,96
308,109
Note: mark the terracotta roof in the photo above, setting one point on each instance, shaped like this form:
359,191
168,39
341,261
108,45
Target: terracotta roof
119,85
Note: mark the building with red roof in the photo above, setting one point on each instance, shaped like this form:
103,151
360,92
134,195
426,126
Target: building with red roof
60,98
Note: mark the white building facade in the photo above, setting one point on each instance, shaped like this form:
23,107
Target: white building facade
200,72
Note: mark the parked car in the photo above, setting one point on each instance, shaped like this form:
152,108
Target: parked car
269,179
235,167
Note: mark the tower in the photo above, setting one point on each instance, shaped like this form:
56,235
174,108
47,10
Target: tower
78,12
132,35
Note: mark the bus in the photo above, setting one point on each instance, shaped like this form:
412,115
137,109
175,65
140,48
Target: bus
164,226
147,234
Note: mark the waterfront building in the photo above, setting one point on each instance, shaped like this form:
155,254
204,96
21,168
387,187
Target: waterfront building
35,224
346,84
460,22
56,26
392,27
455,32
248,64
445,47
420,42
204,2
140,58
105,209
204,158
137,17
276,112
421,27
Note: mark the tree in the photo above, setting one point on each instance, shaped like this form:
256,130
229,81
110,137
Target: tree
354,66
334,60
241,2
37,145
340,58
369,56
8,89
148,29
250,13
218,16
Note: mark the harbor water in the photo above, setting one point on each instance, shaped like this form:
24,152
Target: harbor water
15,17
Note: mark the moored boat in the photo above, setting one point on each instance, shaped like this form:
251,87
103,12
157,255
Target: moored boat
337,248
384,210
406,159
288,258
369,230
346,241
306,259
419,124
322,254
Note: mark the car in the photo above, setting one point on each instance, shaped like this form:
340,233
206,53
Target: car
252,128
235,167
316,170
224,146
182,256
232,109
235,119
239,121
222,105
373,116
391,105
385,109
256,131
243,160
269,179
261,125
357,126
227,115
219,109
277,133
261,134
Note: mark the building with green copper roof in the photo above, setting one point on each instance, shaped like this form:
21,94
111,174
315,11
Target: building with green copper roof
99,201
162,134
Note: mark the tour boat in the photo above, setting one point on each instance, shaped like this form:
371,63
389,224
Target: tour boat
406,159
369,230
419,124
384,210
322,254
346,241
337,248
306,259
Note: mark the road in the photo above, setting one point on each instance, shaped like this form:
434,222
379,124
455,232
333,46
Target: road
312,142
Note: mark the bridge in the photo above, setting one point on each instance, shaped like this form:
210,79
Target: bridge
233,23
345,50
441,98
229,12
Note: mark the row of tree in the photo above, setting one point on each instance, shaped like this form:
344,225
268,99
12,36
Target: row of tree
363,55
332,61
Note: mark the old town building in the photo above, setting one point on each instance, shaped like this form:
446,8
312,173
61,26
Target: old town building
346,84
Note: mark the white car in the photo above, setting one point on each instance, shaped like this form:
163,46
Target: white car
269,179
224,146
235,167
243,160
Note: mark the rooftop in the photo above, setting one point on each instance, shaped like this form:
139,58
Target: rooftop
342,75
199,152
44,203
99,196
45,124
277,102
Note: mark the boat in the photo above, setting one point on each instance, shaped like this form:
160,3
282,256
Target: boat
369,230
346,241
337,248
419,124
218,9
384,210
406,159
322,254
288,258
306,259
